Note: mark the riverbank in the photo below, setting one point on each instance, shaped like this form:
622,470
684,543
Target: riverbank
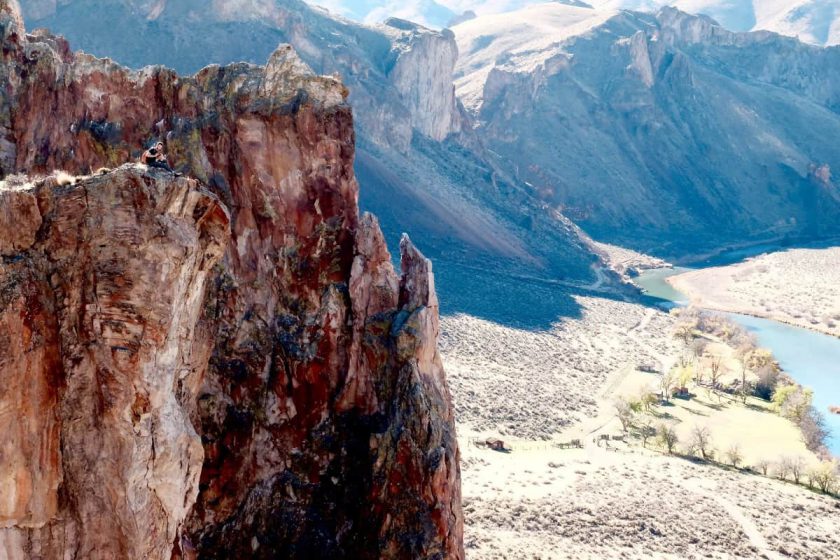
799,287
810,357
538,389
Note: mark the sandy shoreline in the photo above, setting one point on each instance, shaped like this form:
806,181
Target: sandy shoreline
799,287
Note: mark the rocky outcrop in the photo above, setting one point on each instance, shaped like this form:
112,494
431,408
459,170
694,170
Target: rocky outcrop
296,406
457,200
102,288
422,73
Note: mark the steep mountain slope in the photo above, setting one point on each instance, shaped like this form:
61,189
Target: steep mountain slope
665,133
812,21
422,170
220,366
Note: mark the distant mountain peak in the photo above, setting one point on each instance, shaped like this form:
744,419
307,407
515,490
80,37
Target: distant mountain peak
575,3
465,16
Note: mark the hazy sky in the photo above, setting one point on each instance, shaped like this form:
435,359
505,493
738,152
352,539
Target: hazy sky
436,13
430,12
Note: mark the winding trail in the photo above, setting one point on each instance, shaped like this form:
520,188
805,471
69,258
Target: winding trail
750,529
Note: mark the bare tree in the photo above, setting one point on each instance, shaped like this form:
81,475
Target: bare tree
733,455
744,354
797,468
699,373
716,371
783,468
763,465
646,431
701,442
685,332
667,382
698,348
814,430
624,413
745,390
668,437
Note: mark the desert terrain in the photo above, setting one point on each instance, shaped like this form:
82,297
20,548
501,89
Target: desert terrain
799,286
538,390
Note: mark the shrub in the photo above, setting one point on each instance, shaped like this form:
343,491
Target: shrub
733,455
824,476
667,437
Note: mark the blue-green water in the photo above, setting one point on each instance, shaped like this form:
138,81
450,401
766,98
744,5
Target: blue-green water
654,284
811,358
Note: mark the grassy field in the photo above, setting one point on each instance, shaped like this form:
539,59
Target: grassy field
537,388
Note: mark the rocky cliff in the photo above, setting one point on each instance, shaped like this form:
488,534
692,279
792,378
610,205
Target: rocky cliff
219,366
421,166
102,284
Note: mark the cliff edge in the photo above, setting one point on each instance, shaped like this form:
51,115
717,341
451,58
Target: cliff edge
225,366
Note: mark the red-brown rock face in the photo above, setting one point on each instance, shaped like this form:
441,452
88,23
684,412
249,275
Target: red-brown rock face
307,369
102,286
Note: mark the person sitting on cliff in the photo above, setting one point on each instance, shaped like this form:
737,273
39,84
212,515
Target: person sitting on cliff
154,157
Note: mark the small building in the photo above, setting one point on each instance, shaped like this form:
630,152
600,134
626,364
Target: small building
681,393
495,444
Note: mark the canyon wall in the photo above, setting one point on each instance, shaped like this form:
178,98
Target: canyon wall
263,384
102,288
665,133
421,165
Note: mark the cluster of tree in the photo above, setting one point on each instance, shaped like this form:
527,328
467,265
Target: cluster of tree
823,476
709,372
789,400
795,403
715,324
699,444
626,410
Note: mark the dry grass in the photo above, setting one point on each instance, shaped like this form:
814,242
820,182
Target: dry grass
534,384
641,506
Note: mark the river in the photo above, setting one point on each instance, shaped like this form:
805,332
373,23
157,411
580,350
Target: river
811,358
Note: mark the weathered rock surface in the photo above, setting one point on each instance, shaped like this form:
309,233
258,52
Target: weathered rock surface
99,362
308,373
422,74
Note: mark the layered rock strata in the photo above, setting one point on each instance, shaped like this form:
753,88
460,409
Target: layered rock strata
303,365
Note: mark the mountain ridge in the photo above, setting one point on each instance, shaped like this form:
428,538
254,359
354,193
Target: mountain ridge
637,150
410,126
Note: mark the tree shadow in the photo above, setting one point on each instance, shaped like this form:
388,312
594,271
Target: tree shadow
717,407
755,407
697,412
663,415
